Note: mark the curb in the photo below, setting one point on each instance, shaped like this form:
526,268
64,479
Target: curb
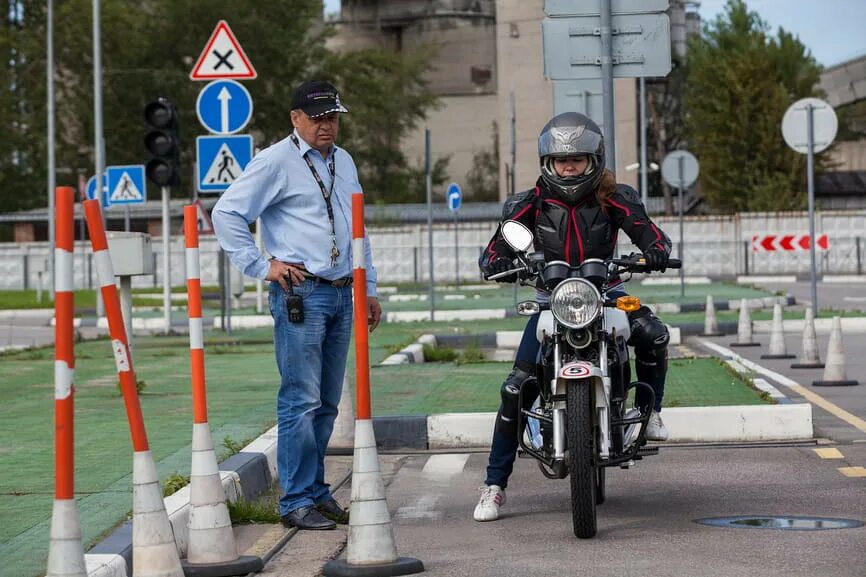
244,475
738,423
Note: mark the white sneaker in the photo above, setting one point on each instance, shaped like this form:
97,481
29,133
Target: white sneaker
492,497
655,429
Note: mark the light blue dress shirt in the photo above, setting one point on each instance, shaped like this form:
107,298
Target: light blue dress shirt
278,187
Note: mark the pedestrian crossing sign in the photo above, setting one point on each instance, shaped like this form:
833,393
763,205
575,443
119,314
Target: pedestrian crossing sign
221,159
126,184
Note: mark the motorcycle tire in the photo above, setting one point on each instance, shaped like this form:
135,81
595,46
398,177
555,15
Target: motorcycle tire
581,455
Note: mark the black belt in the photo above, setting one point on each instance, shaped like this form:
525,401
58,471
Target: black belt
336,283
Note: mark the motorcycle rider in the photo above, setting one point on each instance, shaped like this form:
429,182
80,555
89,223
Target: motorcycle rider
575,212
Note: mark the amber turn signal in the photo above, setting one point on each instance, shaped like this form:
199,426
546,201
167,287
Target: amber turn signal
628,304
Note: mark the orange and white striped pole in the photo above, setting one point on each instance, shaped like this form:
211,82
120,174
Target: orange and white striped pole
211,540
154,553
65,551
370,549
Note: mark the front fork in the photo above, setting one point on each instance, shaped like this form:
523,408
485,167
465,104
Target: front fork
602,406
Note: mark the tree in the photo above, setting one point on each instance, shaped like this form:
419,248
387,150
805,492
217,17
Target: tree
740,82
388,95
483,178
149,49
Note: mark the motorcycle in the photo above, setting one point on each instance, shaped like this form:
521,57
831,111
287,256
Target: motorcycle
578,425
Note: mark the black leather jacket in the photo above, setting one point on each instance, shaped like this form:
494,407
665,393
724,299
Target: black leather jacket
576,233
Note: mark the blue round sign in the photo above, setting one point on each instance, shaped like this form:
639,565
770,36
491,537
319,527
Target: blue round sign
224,107
91,190
454,196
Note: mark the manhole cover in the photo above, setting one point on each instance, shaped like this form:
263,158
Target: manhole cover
783,523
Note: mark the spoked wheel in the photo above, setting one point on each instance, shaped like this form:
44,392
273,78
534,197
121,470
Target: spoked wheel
599,486
581,455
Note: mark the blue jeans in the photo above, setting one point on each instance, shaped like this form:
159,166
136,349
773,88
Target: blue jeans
503,449
311,357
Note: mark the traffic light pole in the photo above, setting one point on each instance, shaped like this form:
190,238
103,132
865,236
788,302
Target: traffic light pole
98,147
166,258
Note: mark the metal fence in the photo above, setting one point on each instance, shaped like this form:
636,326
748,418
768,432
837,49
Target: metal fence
718,247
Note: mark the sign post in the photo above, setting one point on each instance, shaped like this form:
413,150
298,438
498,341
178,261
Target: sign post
588,43
809,126
680,170
455,196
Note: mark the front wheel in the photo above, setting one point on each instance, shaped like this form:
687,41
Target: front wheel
581,458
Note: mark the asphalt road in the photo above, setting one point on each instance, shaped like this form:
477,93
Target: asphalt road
646,526
839,296
829,423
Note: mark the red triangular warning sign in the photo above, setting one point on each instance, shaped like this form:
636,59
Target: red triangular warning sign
222,57
205,226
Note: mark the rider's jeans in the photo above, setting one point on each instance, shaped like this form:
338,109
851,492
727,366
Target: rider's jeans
503,450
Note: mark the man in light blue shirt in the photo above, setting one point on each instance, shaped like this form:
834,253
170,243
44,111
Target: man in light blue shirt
301,188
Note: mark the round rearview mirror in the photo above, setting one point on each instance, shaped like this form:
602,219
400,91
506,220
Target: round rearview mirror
517,235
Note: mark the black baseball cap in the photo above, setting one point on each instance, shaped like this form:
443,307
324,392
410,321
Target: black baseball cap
317,98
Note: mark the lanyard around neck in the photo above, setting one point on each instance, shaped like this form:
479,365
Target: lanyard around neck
326,194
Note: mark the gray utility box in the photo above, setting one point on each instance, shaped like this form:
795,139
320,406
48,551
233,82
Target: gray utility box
131,253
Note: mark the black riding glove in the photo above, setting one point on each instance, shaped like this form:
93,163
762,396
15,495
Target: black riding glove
656,259
502,264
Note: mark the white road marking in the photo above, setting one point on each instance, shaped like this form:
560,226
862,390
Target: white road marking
447,465
423,509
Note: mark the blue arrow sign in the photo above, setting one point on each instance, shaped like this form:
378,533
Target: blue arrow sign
126,184
91,191
454,196
221,159
224,107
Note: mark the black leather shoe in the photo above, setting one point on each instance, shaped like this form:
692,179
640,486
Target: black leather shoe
307,518
332,510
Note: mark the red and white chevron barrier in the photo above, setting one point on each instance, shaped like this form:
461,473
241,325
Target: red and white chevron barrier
788,242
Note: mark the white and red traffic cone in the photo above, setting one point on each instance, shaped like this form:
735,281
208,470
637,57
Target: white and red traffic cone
211,550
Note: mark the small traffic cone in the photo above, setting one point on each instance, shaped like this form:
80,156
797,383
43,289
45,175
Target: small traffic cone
711,324
834,372
343,437
154,552
809,358
744,328
65,552
777,337
211,550
370,550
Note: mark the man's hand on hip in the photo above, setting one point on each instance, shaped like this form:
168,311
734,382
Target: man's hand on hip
374,313
280,272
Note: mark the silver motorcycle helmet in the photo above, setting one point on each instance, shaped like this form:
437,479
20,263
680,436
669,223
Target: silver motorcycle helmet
571,134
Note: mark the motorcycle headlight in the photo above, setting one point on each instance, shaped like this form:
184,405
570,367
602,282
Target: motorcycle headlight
575,303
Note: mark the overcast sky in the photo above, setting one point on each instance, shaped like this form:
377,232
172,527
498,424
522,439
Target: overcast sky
834,30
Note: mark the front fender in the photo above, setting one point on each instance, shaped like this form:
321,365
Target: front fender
582,371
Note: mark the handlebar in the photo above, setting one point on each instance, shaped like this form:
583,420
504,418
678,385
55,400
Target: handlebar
637,263
630,263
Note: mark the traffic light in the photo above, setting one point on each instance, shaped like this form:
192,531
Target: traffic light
162,143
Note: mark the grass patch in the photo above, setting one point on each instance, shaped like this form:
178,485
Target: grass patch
439,354
265,509
174,483
233,447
